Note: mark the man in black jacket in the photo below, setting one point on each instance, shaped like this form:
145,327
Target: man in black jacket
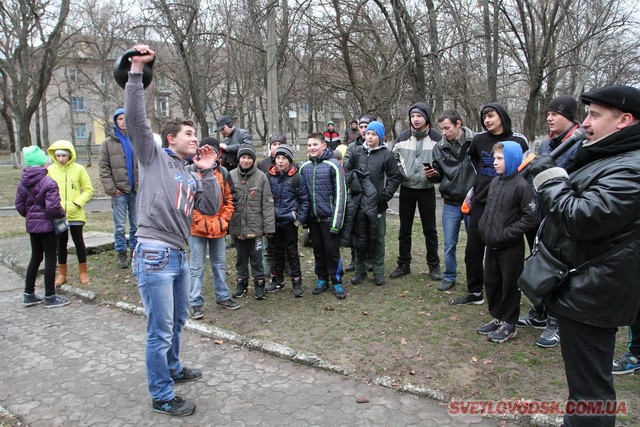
452,168
233,138
593,207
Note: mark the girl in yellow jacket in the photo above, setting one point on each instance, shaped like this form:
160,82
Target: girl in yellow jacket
75,191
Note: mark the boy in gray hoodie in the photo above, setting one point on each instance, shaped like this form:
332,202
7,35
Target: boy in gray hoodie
168,193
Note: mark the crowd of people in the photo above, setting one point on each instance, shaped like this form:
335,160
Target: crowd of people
194,193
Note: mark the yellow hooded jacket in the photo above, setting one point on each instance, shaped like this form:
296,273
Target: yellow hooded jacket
73,180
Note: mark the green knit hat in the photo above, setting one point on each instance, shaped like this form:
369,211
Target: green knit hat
34,156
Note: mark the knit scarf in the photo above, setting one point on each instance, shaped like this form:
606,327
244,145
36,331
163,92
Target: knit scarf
128,155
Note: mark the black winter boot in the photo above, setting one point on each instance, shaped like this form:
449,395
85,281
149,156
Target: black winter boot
260,292
401,270
296,282
277,283
241,288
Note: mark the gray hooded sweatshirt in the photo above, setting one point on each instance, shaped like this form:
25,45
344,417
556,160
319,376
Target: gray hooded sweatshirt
167,191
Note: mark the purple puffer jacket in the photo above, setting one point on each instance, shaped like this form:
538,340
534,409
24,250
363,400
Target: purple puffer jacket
47,200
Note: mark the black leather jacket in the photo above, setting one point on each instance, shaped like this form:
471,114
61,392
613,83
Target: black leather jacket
595,208
456,174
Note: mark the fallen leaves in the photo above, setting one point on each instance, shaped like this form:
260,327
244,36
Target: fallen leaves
360,399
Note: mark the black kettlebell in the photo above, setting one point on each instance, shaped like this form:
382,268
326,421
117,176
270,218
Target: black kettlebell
123,65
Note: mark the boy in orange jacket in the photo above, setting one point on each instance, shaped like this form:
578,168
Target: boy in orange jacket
211,229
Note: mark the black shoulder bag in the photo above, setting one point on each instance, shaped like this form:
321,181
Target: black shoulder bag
544,274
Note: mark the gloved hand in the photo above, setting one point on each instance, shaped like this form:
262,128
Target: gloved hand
541,163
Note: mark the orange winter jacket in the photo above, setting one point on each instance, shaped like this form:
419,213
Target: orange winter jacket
216,226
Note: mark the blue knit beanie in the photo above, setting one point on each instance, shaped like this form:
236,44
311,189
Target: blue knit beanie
378,128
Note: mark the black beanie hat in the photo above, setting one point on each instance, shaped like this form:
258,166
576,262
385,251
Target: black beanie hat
565,105
367,118
285,150
277,137
248,150
213,142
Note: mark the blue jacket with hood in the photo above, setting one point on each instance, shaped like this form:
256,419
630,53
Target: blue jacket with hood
511,209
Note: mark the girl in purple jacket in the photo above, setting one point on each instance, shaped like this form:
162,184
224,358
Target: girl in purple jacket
38,200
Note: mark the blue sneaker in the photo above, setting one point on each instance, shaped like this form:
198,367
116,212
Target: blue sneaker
55,301
321,286
31,299
551,335
627,364
338,291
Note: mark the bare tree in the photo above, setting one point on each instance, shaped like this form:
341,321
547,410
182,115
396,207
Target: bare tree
194,69
31,35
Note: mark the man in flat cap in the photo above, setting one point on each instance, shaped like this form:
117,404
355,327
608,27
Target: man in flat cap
593,213
233,138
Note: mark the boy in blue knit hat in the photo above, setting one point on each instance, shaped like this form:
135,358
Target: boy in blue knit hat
374,162
510,212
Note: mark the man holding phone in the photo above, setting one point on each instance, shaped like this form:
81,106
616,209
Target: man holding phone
412,149
453,170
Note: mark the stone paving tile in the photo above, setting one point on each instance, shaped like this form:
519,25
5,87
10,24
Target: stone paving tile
84,365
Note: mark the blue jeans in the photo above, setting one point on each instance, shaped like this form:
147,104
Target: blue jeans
218,260
451,219
120,205
163,281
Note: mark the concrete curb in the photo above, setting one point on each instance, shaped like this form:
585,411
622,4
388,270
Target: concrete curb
277,350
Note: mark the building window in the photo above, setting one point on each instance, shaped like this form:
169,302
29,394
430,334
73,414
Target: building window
162,106
80,130
303,127
78,105
211,127
160,79
76,75
304,107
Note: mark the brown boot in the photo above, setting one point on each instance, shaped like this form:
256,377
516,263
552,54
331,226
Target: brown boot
62,275
84,275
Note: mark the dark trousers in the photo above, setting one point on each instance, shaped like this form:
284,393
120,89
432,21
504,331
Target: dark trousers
43,245
249,251
587,351
283,248
78,241
425,199
502,268
634,337
474,252
326,251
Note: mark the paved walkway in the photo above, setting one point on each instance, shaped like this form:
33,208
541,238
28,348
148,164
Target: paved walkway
84,365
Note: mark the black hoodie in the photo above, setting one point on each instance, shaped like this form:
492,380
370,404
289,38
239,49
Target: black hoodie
424,108
480,151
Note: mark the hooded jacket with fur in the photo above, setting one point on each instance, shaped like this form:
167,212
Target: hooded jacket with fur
73,181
